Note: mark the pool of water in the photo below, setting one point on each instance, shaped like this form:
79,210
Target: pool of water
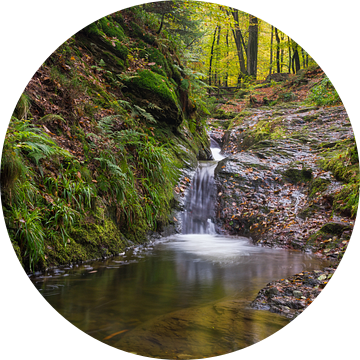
186,296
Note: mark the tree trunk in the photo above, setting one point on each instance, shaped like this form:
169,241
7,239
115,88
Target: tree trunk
252,48
239,42
282,54
217,75
162,23
296,58
212,56
271,49
289,46
227,59
277,50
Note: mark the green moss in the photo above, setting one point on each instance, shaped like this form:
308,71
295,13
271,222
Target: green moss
17,251
92,29
298,176
331,231
138,32
110,29
116,60
121,51
308,211
96,236
152,54
155,83
318,185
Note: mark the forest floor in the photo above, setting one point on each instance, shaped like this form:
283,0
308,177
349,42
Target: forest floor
286,182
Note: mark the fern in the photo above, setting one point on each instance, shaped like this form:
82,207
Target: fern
137,110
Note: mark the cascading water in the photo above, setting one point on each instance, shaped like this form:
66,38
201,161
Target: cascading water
204,280
200,201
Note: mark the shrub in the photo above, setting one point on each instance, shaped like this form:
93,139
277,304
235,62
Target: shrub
324,93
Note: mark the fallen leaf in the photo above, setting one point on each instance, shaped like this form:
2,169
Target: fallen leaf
117,333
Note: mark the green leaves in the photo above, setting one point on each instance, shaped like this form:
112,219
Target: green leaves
324,93
29,232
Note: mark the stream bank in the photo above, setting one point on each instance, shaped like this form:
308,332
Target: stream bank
286,182
97,143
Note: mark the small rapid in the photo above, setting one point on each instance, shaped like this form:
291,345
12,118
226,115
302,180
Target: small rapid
186,296
199,210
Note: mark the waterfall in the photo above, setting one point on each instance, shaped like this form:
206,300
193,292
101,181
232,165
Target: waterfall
200,201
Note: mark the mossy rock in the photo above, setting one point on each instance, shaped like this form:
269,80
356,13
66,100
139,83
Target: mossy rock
318,185
311,117
110,29
287,97
298,176
334,228
308,211
152,54
148,86
139,33
222,114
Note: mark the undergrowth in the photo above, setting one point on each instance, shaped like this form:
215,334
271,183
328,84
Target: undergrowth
324,93
89,170
343,162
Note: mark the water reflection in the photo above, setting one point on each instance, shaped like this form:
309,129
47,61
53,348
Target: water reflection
203,281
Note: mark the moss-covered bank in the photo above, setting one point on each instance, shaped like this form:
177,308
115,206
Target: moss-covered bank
97,142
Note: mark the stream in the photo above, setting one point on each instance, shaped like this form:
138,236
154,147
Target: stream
186,296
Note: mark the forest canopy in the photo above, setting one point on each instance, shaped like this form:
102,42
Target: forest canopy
228,45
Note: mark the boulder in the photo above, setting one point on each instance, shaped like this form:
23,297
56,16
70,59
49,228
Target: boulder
278,77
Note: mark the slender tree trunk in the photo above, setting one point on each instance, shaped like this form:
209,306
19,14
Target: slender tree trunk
289,46
212,56
227,59
217,74
271,48
303,57
277,50
162,23
239,42
252,48
296,58
282,54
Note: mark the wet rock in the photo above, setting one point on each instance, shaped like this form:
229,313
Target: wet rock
271,186
294,294
272,189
